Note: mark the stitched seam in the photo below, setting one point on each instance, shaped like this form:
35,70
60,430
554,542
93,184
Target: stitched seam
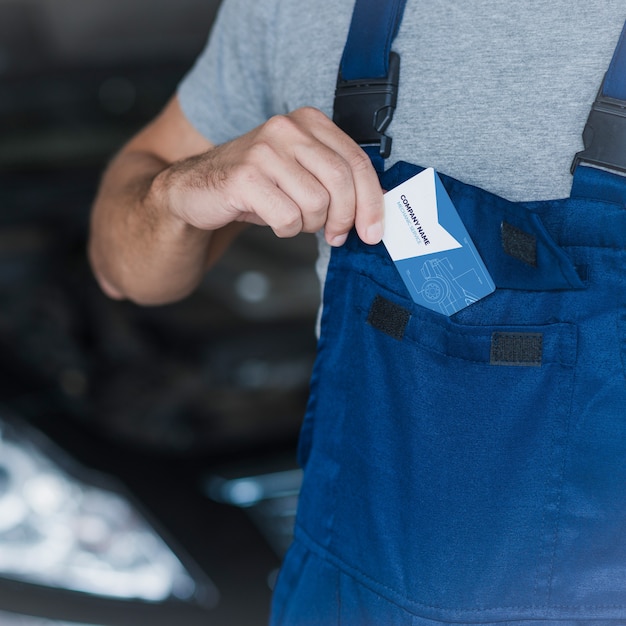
564,457
357,574
485,362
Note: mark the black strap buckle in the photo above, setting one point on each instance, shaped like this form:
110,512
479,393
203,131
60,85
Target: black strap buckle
604,135
364,107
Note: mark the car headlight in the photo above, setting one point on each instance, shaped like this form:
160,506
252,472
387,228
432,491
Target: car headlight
59,530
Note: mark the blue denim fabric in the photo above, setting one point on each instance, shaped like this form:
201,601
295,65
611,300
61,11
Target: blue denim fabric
443,486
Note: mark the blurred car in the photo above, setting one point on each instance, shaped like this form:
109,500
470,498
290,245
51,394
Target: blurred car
133,439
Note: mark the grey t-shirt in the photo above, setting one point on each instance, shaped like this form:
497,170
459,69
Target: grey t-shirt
495,94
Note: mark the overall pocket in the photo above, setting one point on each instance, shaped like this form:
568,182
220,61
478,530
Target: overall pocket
446,445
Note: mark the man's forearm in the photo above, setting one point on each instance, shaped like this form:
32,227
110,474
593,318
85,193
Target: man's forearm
138,248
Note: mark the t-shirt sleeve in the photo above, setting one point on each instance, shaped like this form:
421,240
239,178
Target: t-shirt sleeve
227,92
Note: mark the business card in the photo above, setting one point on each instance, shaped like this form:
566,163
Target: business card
431,248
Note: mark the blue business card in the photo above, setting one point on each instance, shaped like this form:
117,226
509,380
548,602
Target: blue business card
431,248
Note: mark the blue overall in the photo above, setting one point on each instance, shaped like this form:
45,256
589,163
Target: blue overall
471,469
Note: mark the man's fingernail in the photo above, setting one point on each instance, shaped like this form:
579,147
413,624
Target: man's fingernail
375,232
338,240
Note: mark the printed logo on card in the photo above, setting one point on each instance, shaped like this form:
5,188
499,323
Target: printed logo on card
431,248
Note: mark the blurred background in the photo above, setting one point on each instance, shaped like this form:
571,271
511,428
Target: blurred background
147,455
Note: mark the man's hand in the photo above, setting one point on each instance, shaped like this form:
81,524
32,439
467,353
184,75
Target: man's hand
171,202
295,173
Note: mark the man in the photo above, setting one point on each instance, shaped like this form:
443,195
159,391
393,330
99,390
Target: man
450,505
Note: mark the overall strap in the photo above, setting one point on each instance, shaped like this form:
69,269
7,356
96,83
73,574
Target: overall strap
604,136
367,82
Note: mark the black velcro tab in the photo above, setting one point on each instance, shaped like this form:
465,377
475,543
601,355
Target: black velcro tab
519,244
525,349
389,317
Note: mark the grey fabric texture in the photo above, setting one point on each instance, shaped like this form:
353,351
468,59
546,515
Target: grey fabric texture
495,94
